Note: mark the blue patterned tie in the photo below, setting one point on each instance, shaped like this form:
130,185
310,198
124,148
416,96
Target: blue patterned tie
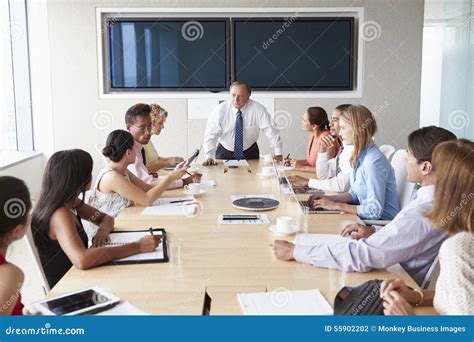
239,137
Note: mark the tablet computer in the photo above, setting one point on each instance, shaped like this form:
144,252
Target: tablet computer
86,301
192,158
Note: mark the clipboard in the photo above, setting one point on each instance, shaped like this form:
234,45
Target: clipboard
123,237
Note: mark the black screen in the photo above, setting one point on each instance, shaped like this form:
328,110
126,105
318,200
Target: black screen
294,54
168,54
75,302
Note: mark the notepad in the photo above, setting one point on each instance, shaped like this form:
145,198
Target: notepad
208,183
237,163
284,302
160,254
314,239
243,219
172,206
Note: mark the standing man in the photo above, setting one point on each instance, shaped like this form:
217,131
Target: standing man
234,126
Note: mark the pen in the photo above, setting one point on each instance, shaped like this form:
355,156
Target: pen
288,156
151,231
181,201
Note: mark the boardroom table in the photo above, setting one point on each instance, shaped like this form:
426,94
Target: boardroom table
210,263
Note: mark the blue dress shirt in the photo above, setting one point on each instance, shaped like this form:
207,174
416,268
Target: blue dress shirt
373,186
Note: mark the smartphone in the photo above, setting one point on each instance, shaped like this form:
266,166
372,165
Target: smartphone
192,158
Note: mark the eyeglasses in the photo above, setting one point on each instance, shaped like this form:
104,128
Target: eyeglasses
143,128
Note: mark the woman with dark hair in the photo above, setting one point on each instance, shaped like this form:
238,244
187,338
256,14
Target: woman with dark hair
56,224
315,121
14,220
117,187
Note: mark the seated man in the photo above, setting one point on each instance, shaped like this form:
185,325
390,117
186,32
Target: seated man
410,239
138,122
233,128
332,174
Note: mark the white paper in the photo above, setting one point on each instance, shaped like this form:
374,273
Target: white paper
122,238
208,183
122,309
275,303
285,168
263,219
163,207
314,239
242,162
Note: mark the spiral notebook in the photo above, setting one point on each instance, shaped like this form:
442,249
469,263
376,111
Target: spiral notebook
160,254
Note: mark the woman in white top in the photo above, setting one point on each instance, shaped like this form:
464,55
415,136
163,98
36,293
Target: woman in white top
117,187
453,212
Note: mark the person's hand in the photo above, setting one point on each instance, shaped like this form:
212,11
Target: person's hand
401,288
178,172
100,238
326,142
278,157
191,178
148,243
298,164
325,204
174,160
283,250
298,181
209,162
287,162
357,231
314,198
395,304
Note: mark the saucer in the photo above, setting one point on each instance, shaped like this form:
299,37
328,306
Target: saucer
202,192
273,228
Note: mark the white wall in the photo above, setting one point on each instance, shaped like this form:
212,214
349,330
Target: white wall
79,119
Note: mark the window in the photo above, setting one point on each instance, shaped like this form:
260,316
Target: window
208,53
15,111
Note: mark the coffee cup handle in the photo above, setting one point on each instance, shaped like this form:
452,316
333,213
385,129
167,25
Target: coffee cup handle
186,187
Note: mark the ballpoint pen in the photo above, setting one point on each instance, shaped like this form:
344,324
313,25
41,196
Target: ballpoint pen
181,201
151,231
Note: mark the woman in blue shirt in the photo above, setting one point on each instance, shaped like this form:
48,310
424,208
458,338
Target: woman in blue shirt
373,193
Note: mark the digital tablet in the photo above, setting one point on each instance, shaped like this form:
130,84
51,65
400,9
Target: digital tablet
192,158
83,302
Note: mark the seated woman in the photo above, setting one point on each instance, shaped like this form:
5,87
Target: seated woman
315,121
153,161
373,186
56,223
453,212
116,187
14,220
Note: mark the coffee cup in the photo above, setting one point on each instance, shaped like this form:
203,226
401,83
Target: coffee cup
267,171
193,188
267,158
284,224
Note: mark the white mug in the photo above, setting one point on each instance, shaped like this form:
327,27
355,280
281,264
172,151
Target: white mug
193,188
267,158
285,224
267,171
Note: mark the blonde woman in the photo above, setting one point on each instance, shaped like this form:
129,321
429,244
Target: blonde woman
373,192
153,161
452,212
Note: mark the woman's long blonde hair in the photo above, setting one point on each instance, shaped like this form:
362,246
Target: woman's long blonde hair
364,128
453,163
157,112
